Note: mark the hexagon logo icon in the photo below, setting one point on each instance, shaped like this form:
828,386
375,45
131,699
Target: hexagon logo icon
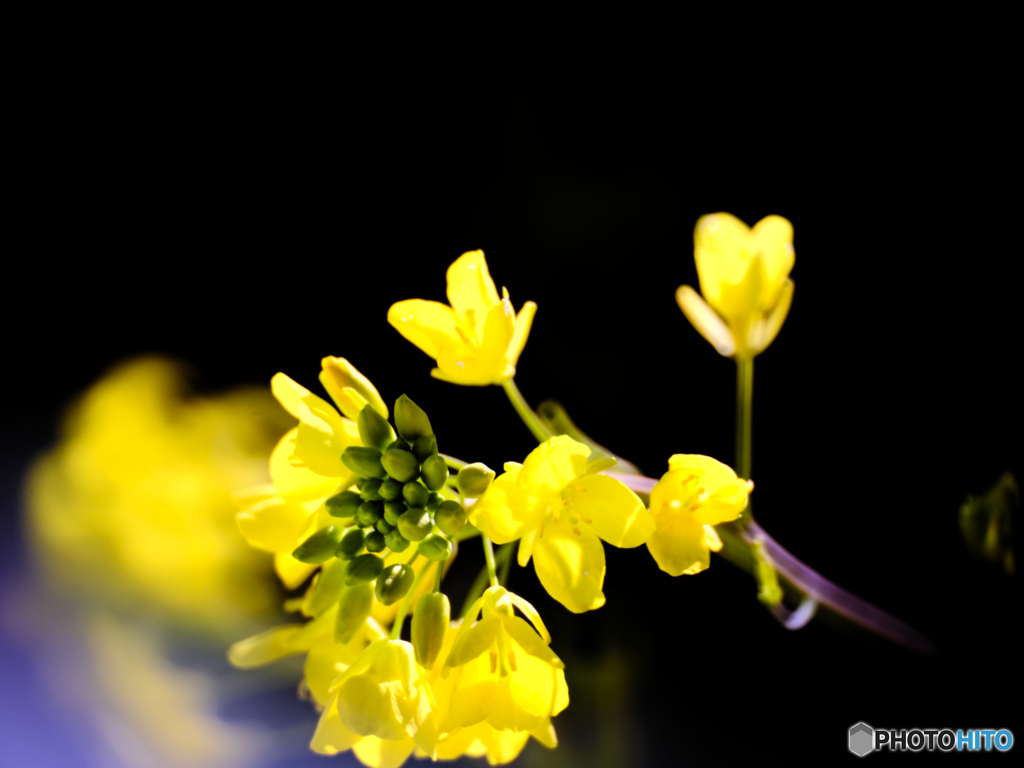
862,739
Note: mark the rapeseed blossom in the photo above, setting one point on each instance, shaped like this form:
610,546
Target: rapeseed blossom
477,340
696,494
744,276
560,508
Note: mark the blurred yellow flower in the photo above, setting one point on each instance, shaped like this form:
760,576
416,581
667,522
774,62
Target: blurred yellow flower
134,505
477,340
744,276
696,494
561,508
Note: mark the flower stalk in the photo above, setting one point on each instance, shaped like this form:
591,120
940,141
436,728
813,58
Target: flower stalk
530,419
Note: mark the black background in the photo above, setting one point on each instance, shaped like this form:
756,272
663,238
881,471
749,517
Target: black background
249,229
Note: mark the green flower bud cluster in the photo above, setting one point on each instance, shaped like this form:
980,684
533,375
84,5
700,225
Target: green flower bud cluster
397,504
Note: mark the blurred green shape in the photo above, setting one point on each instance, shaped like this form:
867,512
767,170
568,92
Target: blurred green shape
986,522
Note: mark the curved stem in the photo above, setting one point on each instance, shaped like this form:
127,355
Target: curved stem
526,413
492,571
805,579
452,462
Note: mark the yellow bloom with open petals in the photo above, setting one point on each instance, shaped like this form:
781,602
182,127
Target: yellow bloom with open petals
381,707
306,466
696,494
744,276
501,672
561,508
477,340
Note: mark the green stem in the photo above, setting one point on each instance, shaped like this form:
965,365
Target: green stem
396,630
526,413
492,571
452,462
437,576
503,576
744,409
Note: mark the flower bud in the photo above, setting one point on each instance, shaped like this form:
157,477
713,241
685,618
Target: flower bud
365,462
414,524
350,544
429,626
338,375
394,510
369,490
394,583
374,430
401,465
328,587
363,568
391,490
424,446
369,513
415,494
353,610
396,542
474,479
435,547
400,443
434,472
384,526
375,541
450,517
319,546
434,501
344,504
410,419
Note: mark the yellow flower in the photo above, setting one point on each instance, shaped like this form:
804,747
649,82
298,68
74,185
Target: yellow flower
306,466
696,494
381,707
476,340
561,508
744,276
502,671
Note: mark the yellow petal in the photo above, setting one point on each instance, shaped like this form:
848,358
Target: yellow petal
773,240
703,318
293,482
678,545
571,567
524,320
534,684
323,435
274,524
291,571
475,692
473,365
763,332
505,512
338,375
429,325
531,613
265,647
719,241
474,641
288,392
471,290
321,669
331,735
545,734
530,642
369,709
383,753
615,513
552,465
711,539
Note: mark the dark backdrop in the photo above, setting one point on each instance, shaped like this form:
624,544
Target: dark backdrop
251,231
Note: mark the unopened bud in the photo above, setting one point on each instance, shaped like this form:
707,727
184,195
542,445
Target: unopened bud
415,524
394,510
396,542
401,465
391,490
450,517
363,568
384,527
424,446
369,490
394,583
328,587
434,501
474,479
374,430
350,544
415,495
435,547
344,504
320,546
429,626
365,462
410,419
353,610
434,472
375,541
337,375
369,513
